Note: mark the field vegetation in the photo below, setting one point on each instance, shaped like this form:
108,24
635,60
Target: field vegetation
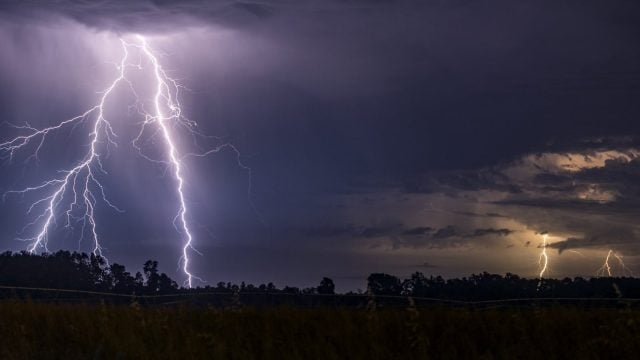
75,306
32,330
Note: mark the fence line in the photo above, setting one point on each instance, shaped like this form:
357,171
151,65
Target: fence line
364,296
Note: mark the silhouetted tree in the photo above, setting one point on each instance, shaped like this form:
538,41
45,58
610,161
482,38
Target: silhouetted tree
326,287
383,284
155,282
166,285
151,276
121,279
291,290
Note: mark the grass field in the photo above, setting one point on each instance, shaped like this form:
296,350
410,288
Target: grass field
65,331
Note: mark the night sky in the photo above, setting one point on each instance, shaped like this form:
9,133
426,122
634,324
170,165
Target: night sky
383,136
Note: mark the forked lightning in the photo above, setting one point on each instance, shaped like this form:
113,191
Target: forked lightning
606,268
75,194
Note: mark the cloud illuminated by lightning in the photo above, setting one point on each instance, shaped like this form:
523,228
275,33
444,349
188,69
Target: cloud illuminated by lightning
77,191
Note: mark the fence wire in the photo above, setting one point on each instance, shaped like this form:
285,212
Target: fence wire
300,299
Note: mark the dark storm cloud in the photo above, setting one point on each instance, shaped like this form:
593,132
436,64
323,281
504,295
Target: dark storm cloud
588,206
452,231
601,222
372,232
472,214
621,176
591,193
552,179
421,230
485,232
485,179
421,236
457,181
343,106
446,233
132,15
329,231
611,238
618,176
168,15
424,76
449,237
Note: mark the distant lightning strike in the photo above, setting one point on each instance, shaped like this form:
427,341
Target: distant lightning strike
80,182
543,260
606,268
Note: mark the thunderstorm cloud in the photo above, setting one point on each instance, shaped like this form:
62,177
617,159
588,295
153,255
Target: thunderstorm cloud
378,133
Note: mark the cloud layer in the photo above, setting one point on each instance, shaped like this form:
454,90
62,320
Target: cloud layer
381,134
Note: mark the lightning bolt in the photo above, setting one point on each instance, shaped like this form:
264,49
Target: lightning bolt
606,268
543,260
78,189
78,179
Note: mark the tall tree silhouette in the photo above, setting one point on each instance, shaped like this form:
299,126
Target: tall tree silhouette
327,287
383,284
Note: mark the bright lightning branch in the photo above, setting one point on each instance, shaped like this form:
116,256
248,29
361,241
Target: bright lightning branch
76,192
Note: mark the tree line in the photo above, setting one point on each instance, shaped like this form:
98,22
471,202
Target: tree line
87,272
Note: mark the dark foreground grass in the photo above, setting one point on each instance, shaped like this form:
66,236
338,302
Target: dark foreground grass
54,331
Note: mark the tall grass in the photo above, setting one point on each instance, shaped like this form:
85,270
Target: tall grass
65,331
